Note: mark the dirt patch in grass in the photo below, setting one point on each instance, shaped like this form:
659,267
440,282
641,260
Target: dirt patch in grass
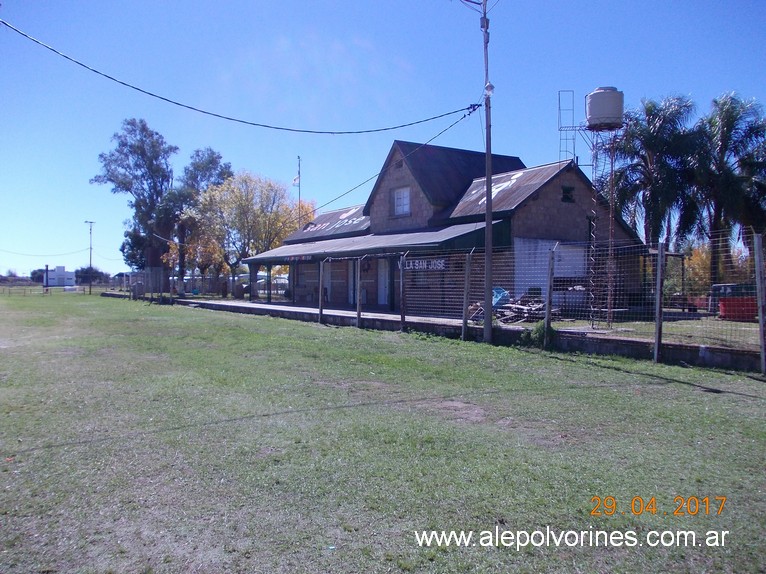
456,410
268,451
450,408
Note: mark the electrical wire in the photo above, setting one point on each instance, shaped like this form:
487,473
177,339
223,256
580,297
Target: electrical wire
471,109
493,6
44,254
467,112
471,4
107,258
221,116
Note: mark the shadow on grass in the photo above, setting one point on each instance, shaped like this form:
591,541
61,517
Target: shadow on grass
664,379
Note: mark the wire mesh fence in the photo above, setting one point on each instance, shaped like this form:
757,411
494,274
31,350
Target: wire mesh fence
710,294
36,290
703,294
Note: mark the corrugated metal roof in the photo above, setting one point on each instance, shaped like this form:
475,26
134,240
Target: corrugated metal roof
444,173
366,244
338,223
509,190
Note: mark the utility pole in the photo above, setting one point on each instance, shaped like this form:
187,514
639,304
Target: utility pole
90,258
488,90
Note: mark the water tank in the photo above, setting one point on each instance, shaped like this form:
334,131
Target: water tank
603,109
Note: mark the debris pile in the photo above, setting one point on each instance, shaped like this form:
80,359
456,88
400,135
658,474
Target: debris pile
527,308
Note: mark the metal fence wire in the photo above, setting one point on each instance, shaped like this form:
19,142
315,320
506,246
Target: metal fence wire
616,290
706,292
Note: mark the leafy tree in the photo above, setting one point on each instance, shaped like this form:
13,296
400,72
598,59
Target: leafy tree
85,275
697,264
277,216
208,256
652,179
729,173
752,218
230,214
247,215
205,169
133,248
140,167
37,276
202,246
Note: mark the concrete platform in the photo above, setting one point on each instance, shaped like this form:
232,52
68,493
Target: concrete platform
441,326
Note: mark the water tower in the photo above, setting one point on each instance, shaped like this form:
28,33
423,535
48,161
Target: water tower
604,109
604,117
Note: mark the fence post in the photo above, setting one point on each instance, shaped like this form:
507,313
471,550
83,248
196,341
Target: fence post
402,290
660,267
319,291
359,291
549,296
759,282
466,295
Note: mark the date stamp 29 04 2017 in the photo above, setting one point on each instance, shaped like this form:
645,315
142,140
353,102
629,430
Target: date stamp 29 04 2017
682,506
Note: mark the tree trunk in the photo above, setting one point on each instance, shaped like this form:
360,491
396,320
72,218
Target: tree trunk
154,266
181,257
716,228
217,280
202,273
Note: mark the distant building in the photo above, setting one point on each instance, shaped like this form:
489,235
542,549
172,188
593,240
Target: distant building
60,277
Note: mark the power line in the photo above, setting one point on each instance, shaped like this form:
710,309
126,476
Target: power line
43,255
493,6
475,5
108,258
472,4
471,109
221,116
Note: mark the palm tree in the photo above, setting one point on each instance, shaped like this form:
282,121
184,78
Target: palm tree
651,180
753,210
729,172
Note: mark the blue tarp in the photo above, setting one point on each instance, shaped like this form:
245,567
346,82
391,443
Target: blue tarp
500,297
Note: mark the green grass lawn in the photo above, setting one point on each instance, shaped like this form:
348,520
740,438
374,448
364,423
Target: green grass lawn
707,330
145,438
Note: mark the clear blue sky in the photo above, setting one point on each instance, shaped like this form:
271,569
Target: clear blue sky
321,65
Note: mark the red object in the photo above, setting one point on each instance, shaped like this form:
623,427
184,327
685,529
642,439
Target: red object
738,308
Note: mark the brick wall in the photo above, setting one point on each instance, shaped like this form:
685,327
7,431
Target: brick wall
546,216
382,219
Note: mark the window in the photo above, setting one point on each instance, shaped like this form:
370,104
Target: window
567,194
401,201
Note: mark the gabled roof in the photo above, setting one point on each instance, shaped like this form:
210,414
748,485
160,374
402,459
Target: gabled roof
509,190
346,222
443,173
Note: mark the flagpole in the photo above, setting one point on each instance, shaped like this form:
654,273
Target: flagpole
299,192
